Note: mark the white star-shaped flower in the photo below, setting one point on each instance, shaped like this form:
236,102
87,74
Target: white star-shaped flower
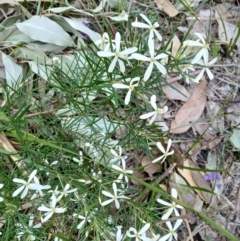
104,42
139,235
83,220
118,54
185,73
113,197
80,160
172,231
123,171
152,59
130,87
117,157
27,185
156,111
65,192
51,209
206,65
150,26
166,153
172,207
39,191
198,43
22,229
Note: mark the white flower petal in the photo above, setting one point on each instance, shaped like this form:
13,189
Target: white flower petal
108,194
144,228
128,97
117,41
169,145
212,61
160,67
106,202
117,204
173,191
47,217
24,193
209,73
160,147
148,72
153,101
151,47
200,75
129,51
158,159
177,224
60,210
192,43
146,19
159,36
32,175
153,118
201,37
113,64
140,25
120,86
147,115
18,191
161,56
121,65
19,181
166,237
105,54
140,57
197,57
164,202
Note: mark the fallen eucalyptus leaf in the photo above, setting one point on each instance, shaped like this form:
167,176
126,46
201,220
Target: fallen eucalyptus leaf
13,71
79,25
235,138
122,17
43,29
191,110
36,55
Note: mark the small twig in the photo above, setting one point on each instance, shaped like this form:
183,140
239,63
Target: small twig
166,173
39,113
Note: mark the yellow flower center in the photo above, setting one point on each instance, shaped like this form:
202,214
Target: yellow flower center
117,54
152,28
205,46
153,60
131,87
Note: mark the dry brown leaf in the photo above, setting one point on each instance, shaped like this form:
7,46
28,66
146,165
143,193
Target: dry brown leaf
191,110
201,23
187,175
199,179
175,44
186,194
149,167
179,93
4,142
227,32
167,7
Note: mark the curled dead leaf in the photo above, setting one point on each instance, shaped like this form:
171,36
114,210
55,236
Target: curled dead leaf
149,167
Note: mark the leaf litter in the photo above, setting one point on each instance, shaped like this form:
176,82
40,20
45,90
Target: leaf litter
198,106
